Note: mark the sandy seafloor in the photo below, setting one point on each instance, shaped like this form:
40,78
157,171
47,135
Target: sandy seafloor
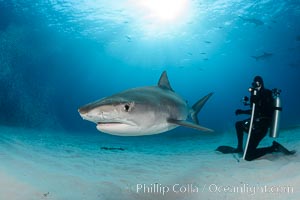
64,166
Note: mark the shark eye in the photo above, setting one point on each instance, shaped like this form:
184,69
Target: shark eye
127,108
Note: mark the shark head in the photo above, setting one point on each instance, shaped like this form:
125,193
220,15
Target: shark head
129,113
114,114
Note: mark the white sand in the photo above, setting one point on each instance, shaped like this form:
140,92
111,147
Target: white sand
45,165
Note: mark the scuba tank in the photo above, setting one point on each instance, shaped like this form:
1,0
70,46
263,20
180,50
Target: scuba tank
274,131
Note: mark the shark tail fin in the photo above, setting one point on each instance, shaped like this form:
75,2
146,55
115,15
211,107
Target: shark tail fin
198,106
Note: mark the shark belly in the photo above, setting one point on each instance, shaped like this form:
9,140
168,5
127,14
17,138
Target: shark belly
125,130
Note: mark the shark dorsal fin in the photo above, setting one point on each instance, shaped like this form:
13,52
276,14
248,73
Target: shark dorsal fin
164,82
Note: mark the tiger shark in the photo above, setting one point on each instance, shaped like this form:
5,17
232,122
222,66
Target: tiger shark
143,111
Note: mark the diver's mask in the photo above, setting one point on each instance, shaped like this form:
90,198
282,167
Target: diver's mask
256,84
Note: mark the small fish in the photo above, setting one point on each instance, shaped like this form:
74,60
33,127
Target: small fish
202,53
128,38
291,49
207,42
255,21
264,56
293,65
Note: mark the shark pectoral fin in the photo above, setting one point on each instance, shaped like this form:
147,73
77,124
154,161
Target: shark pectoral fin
189,125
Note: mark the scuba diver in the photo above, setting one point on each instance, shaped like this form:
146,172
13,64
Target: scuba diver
262,114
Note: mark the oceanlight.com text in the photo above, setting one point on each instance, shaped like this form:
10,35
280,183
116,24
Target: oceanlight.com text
248,189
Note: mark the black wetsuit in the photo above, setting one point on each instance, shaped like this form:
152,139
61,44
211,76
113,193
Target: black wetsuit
262,121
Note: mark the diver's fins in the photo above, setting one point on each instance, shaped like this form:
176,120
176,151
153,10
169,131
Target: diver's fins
228,149
279,148
189,125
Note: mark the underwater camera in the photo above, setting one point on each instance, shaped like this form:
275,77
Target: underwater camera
245,101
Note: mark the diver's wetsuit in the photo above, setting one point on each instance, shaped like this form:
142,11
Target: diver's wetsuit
262,121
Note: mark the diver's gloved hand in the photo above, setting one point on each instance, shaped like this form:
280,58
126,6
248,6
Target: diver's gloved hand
239,112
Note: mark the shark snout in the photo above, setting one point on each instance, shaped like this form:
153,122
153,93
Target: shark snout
85,113
88,115
90,108
82,111
95,113
85,109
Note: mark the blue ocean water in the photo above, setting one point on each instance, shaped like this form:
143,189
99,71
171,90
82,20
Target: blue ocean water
56,56
59,55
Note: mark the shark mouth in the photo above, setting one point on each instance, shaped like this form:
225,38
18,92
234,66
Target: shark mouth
120,128
103,123
116,123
